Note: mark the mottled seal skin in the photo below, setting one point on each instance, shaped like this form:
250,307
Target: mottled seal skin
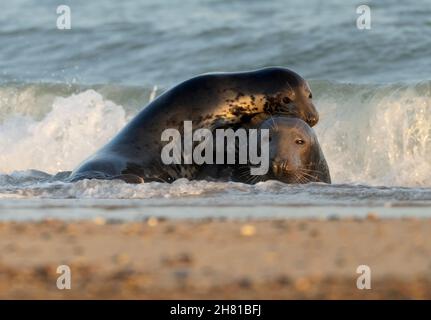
211,101
294,153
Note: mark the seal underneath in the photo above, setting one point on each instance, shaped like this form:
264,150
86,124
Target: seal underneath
295,156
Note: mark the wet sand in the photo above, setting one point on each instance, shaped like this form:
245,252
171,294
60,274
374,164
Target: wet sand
216,259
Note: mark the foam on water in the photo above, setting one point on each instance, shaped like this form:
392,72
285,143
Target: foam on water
73,128
378,135
39,185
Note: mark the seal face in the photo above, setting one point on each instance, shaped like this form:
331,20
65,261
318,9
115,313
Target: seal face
294,153
210,101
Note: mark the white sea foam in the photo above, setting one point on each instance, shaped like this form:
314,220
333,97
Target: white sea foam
74,128
377,136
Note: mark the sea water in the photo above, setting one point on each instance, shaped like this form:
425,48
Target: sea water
65,93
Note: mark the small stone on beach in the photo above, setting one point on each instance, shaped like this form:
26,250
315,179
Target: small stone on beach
372,216
152,221
100,221
248,230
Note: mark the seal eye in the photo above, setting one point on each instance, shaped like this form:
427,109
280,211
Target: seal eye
310,96
286,100
299,141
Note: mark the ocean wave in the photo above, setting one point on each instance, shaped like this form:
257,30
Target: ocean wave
370,134
376,134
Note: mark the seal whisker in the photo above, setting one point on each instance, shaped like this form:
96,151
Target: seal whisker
302,178
275,126
297,179
308,176
249,180
257,179
312,171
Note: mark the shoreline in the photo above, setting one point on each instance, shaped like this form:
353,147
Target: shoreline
216,258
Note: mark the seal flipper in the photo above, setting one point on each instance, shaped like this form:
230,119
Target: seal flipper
91,174
128,178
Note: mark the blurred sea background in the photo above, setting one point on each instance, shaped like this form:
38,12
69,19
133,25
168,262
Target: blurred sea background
65,93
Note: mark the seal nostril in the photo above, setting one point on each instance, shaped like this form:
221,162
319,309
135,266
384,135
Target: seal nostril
312,121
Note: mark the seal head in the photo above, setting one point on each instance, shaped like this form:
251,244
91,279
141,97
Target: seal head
295,155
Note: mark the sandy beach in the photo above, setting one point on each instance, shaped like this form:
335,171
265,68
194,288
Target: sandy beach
216,259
